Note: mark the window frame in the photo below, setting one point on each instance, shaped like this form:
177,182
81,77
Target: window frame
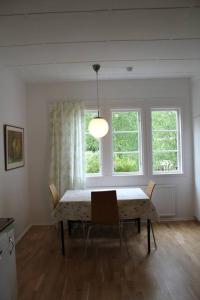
140,142
179,141
100,149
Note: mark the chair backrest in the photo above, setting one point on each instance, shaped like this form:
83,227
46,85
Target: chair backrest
104,207
54,194
149,189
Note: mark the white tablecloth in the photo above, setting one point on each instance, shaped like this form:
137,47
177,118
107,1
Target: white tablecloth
132,202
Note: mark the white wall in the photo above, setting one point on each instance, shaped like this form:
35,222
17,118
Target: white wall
133,93
14,198
196,128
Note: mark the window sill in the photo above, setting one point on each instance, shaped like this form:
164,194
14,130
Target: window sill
114,175
93,175
126,174
166,174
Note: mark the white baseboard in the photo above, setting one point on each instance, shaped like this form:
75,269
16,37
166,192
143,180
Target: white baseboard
173,219
22,234
43,224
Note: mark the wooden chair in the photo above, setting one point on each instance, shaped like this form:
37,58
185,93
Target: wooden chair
149,191
55,195
104,212
56,198
150,188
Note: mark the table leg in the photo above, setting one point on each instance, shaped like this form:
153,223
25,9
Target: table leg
70,228
139,225
148,235
62,237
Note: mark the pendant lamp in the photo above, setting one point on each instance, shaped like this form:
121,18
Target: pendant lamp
98,127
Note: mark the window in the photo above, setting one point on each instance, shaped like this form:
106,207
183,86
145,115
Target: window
92,148
166,141
126,139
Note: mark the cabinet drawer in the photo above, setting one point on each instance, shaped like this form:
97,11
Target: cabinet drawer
3,244
7,265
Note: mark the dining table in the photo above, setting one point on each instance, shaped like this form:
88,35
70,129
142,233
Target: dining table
133,203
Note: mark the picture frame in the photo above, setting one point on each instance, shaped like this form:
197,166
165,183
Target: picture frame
13,147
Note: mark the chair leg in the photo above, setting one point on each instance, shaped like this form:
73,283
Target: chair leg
149,235
87,238
139,225
62,237
120,233
125,241
153,234
69,228
84,229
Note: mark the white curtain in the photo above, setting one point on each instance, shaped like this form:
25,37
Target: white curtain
67,146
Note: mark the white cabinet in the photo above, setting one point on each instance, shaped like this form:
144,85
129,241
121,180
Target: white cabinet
197,165
7,265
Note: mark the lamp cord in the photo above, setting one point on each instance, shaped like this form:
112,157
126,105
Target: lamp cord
98,106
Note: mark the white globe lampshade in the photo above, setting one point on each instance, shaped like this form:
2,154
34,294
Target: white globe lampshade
98,127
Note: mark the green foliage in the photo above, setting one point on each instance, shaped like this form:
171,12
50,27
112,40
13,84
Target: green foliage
91,143
126,163
165,161
165,120
125,121
125,142
92,155
164,142
92,162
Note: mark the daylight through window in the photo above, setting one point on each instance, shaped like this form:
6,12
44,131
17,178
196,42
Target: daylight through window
166,144
92,147
126,139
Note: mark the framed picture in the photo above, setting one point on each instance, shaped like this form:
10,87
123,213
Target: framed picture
14,147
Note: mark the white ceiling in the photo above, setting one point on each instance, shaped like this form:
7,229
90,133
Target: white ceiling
60,40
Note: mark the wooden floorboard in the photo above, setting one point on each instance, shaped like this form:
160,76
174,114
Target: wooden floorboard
172,272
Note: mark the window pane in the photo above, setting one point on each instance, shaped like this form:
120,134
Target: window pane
164,120
125,142
91,143
125,121
164,140
126,162
92,147
92,162
165,162
89,115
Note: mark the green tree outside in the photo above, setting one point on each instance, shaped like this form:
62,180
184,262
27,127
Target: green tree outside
165,141
125,128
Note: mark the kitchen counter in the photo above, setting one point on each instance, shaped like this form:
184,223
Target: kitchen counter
8,282
4,222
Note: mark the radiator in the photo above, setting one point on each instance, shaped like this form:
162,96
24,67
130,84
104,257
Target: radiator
164,198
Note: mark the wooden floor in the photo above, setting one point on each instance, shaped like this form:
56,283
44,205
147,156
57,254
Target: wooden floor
170,272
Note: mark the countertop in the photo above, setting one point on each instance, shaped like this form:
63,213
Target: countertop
4,222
